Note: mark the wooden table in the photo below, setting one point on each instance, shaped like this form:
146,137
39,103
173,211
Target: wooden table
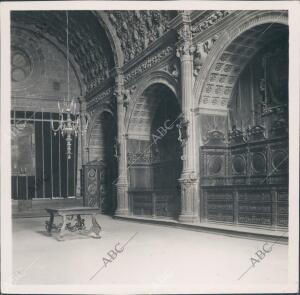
67,215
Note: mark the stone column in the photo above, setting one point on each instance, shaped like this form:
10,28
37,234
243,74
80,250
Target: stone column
122,183
189,178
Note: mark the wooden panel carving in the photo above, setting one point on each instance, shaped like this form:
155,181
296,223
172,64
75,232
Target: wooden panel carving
219,206
141,202
255,208
255,173
94,184
282,209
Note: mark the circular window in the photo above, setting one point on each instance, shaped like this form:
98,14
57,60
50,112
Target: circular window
215,165
238,164
280,160
20,65
259,162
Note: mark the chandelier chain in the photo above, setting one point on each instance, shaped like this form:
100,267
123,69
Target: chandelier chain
68,126
68,62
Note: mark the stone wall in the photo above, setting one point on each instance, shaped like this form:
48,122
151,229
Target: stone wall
39,73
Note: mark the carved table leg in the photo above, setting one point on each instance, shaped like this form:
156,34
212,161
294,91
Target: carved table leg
95,228
63,228
49,224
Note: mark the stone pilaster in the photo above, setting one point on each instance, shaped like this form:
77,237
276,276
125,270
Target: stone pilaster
82,154
83,128
189,178
122,183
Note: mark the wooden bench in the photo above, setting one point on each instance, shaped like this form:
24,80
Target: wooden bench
68,215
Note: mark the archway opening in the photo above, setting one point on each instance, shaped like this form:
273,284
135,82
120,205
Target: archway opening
155,154
244,158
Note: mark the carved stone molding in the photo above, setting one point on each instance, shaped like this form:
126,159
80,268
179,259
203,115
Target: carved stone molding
104,94
148,63
211,20
264,17
187,183
202,49
138,29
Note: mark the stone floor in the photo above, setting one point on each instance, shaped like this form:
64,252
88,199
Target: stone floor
155,258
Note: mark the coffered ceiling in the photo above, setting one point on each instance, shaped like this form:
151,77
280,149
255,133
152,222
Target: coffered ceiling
146,107
230,63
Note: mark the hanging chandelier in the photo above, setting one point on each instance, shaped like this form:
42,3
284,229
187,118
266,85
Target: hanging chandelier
68,118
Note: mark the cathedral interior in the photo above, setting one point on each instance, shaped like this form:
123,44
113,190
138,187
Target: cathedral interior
158,119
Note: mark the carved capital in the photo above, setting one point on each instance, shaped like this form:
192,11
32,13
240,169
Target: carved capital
185,50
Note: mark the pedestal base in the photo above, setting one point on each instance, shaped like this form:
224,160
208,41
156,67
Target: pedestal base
186,218
122,212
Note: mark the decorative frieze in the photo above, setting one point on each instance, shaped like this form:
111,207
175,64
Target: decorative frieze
104,94
211,20
138,29
148,63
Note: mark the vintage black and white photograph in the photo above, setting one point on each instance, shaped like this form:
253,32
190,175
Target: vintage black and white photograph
148,151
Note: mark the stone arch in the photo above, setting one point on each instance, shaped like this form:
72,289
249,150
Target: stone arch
139,103
153,141
53,42
94,122
112,37
230,54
